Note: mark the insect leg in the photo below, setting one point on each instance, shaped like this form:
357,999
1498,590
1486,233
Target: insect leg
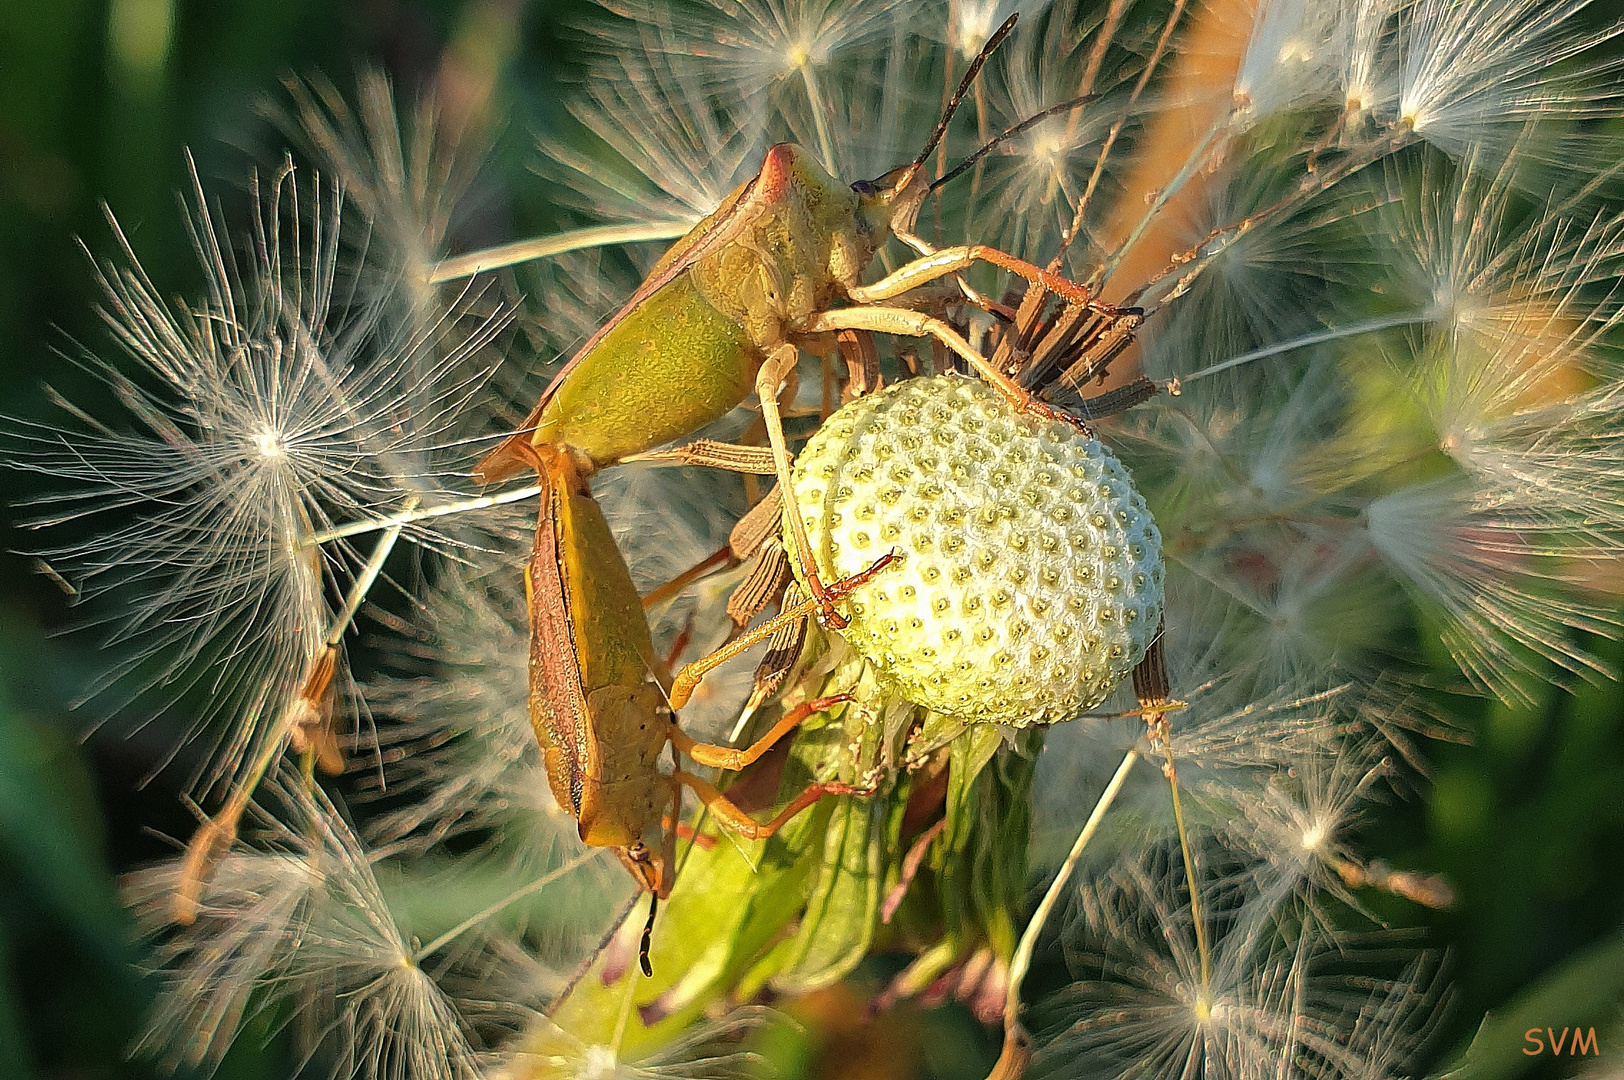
745,825
862,363
723,556
951,260
734,759
783,649
685,831
887,320
779,365
682,687
731,457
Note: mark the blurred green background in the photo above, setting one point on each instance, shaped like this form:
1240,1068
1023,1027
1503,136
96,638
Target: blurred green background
98,100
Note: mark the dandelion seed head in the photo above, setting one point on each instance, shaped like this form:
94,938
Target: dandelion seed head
1472,73
1289,61
1360,35
268,442
753,51
1147,1004
410,174
1510,390
1026,190
1299,823
266,412
298,920
971,22
1274,988
1233,731
1488,264
683,144
1490,579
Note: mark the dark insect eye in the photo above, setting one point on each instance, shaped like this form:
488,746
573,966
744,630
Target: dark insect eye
863,187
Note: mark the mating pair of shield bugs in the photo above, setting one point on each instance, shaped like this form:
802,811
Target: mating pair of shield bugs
777,268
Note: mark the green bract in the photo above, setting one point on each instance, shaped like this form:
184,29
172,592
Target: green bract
1029,573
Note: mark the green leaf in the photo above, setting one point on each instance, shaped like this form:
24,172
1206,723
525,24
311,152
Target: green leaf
1585,990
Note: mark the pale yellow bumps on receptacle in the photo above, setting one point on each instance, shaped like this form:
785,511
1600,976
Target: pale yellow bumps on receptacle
1029,577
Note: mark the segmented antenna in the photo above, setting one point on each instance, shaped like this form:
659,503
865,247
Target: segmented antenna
965,83
648,936
1020,128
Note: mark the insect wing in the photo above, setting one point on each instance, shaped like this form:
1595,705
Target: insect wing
723,226
558,707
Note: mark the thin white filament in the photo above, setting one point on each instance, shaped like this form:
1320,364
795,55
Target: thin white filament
369,575
1368,326
542,247
425,951
411,515
1029,937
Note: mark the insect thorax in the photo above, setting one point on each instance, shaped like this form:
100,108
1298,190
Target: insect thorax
796,258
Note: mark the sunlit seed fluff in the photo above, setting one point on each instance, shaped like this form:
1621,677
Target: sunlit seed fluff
299,927
1029,573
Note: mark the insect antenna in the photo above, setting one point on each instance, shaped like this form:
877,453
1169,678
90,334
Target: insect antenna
1019,129
648,936
965,83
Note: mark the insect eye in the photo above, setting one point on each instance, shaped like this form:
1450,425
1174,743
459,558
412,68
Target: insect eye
863,187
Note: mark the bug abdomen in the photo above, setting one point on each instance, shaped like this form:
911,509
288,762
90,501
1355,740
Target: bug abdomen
627,790
670,366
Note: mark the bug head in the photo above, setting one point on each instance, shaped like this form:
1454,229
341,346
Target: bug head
645,865
891,202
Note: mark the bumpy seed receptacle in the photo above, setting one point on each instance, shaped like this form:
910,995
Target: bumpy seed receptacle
1029,577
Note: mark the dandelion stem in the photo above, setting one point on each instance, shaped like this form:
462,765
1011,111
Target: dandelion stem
541,247
1127,110
368,577
290,715
425,951
1201,945
218,832
1319,337
411,515
814,99
1015,1038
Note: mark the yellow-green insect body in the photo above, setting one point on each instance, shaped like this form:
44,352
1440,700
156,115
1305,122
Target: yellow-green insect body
686,349
595,713
708,369
601,722
784,247
725,311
